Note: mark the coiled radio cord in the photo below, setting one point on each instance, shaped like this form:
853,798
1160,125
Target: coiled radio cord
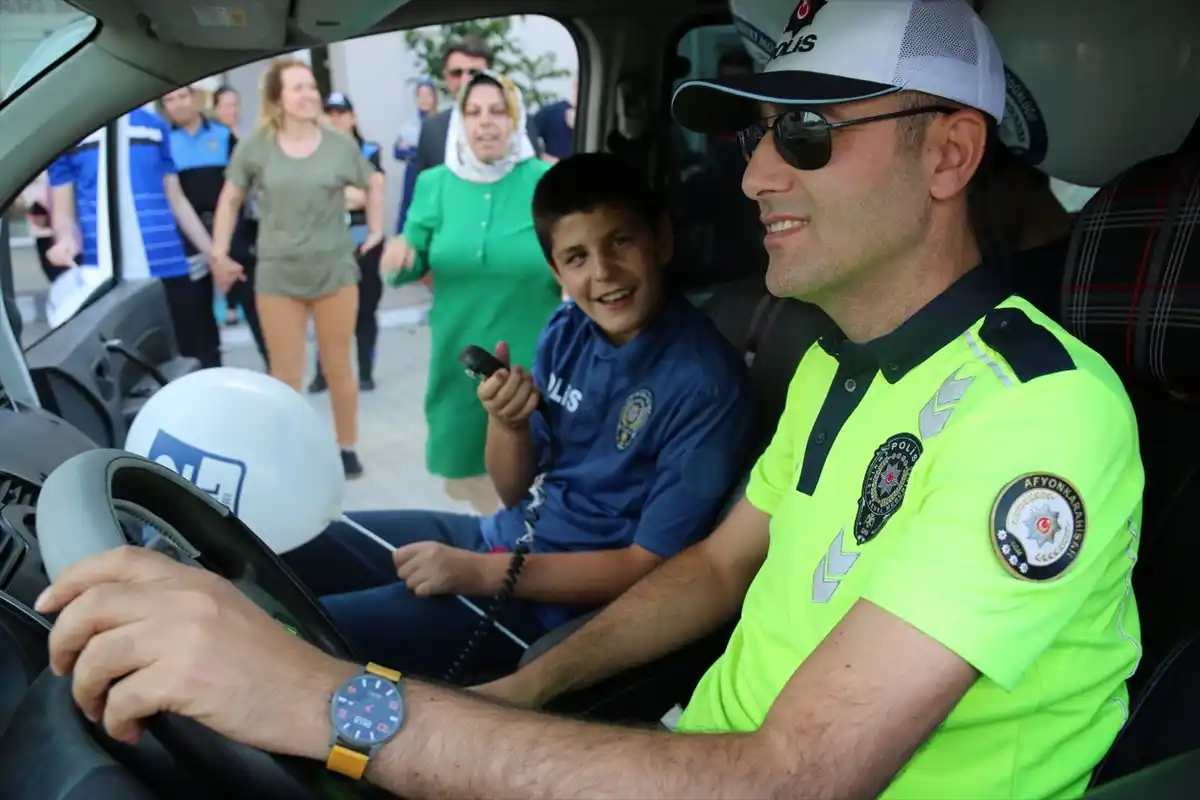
511,576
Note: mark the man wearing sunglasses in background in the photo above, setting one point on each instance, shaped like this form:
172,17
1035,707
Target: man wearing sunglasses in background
932,559
461,58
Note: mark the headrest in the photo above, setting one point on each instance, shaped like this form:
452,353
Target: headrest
1132,284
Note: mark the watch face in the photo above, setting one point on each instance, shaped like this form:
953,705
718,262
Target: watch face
367,710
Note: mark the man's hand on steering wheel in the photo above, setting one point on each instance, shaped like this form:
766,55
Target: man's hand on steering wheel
143,634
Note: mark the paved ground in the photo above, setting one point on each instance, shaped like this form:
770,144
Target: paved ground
391,426
391,422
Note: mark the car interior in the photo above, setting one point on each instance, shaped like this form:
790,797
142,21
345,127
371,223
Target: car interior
1127,291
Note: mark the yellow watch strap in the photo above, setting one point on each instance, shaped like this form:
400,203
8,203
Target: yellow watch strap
345,761
383,672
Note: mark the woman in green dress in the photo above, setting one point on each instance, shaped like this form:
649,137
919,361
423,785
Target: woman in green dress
470,224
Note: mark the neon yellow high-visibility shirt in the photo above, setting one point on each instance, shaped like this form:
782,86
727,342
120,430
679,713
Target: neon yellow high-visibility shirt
976,473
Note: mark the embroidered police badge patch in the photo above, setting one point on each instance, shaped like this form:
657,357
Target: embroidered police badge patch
633,416
884,484
802,17
1038,525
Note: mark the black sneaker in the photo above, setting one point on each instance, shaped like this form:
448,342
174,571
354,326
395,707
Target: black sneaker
318,384
366,383
350,464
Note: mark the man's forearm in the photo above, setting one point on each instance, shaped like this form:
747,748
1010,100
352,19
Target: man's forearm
458,746
586,578
510,461
673,606
187,218
62,218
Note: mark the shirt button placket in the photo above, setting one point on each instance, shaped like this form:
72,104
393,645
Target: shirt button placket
487,196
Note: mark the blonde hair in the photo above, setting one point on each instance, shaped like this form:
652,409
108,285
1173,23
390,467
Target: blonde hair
270,91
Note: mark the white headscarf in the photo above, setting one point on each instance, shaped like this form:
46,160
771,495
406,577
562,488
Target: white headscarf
461,159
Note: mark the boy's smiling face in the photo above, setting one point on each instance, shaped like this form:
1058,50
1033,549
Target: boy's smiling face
610,261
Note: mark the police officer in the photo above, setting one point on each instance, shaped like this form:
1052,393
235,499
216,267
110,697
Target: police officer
148,185
932,561
370,282
201,149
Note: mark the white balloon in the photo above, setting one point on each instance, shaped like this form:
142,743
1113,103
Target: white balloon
252,443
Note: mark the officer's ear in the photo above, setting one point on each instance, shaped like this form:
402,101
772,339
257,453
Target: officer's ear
664,240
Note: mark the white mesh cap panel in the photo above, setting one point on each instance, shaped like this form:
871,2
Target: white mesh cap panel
946,51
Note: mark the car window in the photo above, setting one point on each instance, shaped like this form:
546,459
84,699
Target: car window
34,34
718,234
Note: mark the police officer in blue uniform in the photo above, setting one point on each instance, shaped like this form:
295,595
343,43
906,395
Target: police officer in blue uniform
370,282
201,149
633,424
148,191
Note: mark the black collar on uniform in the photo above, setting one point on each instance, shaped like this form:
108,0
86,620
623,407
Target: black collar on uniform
946,317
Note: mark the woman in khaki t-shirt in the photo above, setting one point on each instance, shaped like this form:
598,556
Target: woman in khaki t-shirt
306,259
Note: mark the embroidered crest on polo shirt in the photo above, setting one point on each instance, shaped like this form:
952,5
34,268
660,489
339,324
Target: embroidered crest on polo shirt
1038,525
884,484
633,417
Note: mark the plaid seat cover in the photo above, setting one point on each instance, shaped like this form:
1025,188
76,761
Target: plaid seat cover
1132,284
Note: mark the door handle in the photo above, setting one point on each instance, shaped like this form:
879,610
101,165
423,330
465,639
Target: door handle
118,346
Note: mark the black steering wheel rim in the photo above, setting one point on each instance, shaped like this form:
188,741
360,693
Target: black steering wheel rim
77,518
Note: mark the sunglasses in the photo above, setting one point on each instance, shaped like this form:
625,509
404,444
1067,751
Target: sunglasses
458,72
804,138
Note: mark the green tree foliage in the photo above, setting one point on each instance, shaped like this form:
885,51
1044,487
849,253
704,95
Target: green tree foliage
528,72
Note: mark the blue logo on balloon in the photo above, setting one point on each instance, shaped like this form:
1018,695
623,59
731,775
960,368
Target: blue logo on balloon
218,475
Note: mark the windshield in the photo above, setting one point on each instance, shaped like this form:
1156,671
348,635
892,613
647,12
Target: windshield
33,35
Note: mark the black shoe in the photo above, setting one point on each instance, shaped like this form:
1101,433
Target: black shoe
366,383
318,384
350,464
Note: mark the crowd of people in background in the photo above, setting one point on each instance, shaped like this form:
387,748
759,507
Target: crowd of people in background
260,233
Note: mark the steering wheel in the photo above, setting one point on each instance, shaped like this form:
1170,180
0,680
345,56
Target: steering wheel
79,514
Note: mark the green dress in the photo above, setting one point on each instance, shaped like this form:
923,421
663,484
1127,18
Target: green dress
491,284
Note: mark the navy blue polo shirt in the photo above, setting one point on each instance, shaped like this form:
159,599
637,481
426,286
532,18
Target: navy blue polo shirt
552,125
639,444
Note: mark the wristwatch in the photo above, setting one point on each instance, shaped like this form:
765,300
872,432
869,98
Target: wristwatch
365,713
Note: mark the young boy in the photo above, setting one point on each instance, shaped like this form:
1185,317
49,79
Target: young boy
637,416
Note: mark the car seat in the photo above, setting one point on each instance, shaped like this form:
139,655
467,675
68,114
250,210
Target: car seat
1132,292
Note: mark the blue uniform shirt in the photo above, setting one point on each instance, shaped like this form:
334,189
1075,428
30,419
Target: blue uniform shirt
150,244
552,125
640,444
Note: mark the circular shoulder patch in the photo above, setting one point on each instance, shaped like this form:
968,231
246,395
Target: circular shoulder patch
633,416
1038,525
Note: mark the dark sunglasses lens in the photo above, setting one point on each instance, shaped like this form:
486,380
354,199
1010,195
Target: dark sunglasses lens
749,139
803,139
